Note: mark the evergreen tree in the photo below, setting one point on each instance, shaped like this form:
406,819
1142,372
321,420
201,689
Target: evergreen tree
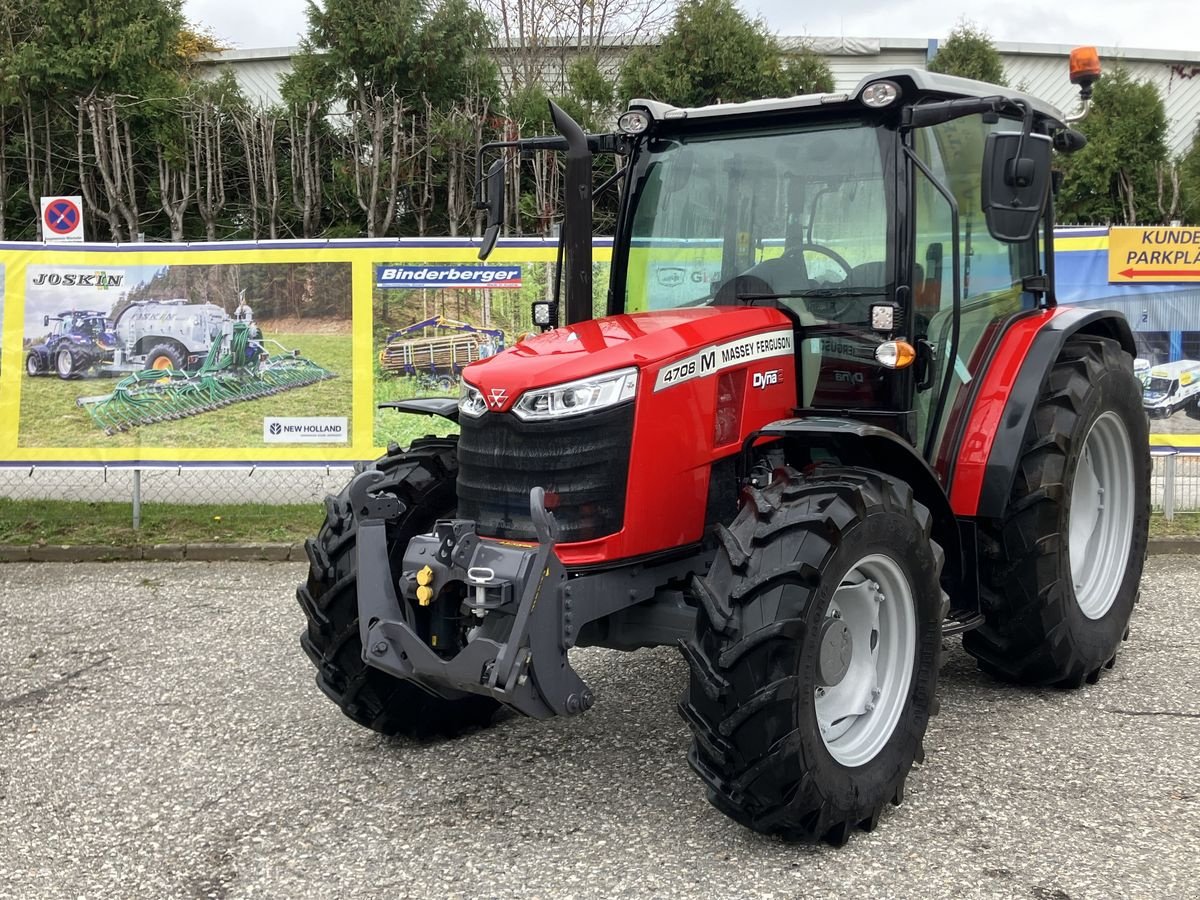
1114,178
969,53
715,53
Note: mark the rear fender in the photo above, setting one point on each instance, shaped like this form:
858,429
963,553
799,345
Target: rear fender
854,443
1009,435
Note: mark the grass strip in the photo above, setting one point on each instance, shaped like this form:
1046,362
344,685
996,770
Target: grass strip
109,524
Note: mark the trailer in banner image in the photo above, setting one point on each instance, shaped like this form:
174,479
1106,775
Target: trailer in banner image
439,359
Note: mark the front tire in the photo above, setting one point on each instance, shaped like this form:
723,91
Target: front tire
33,365
422,478
815,657
1060,571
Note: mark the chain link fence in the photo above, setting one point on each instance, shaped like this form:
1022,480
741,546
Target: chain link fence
1175,483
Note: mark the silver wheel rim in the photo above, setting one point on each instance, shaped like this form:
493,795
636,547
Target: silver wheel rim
64,362
1100,524
870,629
31,365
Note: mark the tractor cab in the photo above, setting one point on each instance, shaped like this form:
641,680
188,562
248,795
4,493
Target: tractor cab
897,226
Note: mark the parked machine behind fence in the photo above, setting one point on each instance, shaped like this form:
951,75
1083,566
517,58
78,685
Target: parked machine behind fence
864,425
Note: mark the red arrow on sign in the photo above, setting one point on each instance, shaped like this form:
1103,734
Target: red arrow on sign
1129,273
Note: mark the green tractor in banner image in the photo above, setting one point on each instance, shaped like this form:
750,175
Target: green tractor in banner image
198,359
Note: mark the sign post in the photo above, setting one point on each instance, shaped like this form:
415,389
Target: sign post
1153,254
62,220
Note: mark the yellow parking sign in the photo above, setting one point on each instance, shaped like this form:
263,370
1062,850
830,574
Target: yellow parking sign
1153,254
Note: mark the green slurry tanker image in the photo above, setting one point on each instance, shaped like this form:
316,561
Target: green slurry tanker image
239,366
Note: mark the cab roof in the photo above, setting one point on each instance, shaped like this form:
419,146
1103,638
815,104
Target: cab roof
914,83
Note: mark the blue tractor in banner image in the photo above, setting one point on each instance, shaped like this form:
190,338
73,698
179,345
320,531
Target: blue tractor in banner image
74,334
437,361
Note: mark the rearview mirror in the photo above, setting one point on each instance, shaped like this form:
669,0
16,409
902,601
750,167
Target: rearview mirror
1016,178
493,203
45,321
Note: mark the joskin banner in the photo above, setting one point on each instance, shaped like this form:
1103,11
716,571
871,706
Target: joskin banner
265,353
280,352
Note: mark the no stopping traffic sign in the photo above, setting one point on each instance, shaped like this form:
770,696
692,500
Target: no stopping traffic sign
62,219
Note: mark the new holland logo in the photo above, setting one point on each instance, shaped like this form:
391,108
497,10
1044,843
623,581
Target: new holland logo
497,397
306,430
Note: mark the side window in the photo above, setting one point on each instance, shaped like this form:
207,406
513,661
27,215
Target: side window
990,271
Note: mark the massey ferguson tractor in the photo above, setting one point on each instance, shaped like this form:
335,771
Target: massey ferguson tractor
833,415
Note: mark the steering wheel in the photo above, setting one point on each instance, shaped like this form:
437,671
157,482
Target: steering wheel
833,308
793,252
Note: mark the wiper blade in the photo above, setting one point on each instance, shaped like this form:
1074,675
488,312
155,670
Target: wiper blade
819,293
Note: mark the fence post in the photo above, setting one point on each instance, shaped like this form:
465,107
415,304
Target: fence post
137,499
1169,488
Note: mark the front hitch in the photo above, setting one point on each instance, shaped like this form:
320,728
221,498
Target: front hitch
517,651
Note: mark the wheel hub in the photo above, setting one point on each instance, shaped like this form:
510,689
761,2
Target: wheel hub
837,650
865,658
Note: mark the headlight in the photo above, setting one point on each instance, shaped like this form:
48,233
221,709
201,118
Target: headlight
880,94
577,397
471,402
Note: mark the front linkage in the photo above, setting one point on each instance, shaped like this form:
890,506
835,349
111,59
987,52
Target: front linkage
516,648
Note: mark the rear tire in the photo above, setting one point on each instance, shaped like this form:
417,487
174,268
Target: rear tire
166,356
766,743
1082,489
67,364
422,478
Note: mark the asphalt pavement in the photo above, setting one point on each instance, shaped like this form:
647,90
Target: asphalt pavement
161,736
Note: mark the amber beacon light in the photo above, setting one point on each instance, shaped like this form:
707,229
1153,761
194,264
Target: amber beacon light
1085,69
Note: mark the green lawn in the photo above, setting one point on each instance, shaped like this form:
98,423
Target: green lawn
73,522
50,416
110,524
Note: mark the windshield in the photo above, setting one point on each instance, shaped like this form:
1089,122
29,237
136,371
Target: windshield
1159,385
802,212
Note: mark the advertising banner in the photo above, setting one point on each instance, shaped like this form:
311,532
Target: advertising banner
281,352
265,353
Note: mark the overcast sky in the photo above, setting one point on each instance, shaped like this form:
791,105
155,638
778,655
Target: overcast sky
1164,24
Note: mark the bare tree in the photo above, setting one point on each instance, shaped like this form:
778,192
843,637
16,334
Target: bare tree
112,146
1125,194
1167,174
206,134
376,130
175,188
306,165
87,179
257,130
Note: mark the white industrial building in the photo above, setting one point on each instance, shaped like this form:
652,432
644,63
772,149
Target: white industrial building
1039,69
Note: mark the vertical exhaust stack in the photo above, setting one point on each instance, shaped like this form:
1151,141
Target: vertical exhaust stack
576,238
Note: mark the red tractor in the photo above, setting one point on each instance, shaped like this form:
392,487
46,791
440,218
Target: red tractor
833,415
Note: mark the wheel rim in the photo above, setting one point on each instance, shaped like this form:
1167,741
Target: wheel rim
865,660
64,363
31,365
1101,518
161,364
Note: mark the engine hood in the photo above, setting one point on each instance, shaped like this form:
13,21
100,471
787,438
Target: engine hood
644,340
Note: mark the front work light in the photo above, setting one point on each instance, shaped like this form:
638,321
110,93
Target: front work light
471,402
636,121
577,397
880,94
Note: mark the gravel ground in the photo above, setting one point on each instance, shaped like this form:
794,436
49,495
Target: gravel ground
161,736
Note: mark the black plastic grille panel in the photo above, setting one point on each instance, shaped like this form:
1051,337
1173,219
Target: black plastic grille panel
582,463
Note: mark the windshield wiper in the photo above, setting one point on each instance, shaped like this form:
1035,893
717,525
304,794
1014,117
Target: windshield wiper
819,293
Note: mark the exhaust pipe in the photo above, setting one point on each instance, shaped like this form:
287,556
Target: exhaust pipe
576,237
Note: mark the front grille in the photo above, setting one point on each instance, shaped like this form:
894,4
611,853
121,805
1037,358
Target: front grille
582,463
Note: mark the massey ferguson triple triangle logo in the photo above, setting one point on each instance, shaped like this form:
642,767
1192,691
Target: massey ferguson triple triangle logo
497,397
